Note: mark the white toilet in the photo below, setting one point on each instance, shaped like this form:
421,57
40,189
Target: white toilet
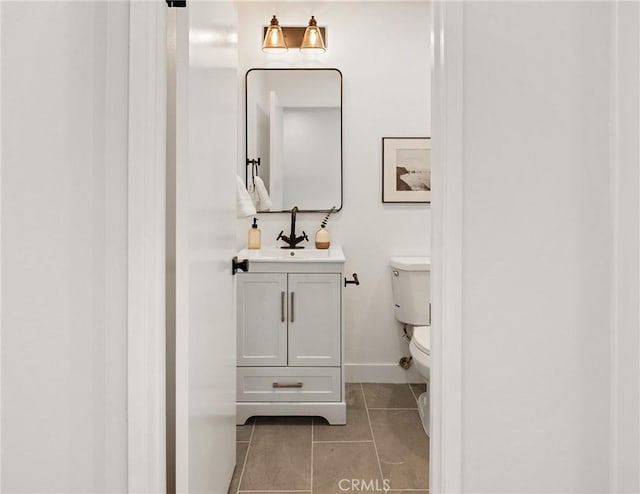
411,283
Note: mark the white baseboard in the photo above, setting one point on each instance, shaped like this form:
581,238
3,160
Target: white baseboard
381,373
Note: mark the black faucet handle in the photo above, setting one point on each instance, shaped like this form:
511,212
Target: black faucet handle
304,235
280,235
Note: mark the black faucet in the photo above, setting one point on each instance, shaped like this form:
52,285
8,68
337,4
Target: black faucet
291,239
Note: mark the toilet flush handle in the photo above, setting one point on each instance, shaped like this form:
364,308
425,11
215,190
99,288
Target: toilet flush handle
396,273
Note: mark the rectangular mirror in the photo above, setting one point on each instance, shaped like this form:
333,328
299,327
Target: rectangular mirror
294,129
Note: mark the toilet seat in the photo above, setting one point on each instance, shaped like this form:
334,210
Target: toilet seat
420,349
422,338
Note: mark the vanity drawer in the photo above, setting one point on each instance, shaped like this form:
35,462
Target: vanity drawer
288,384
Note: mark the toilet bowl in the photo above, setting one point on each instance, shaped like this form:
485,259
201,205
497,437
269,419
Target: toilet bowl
420,348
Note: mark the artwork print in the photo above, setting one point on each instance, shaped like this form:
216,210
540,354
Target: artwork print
406,169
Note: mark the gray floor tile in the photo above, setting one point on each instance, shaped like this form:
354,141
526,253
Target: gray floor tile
336,462
418,389
357,426
279,459
243,432
403,448
388,396
421,491
241,452
280,455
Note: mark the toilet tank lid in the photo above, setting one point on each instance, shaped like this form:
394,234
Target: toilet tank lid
411,263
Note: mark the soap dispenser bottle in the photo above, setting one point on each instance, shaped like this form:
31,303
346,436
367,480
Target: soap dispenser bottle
254,235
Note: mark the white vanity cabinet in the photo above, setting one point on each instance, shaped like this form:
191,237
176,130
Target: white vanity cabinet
290,335
262,319
290,319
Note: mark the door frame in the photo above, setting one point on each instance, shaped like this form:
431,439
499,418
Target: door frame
147,119
1,245
146,246
446,245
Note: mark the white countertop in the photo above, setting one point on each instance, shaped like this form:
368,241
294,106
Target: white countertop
276,254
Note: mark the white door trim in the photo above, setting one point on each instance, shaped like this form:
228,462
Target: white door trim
622,478
614,185
0,246
146,245
447,215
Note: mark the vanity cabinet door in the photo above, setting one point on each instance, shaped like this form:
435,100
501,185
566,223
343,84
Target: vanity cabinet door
262,319
314,319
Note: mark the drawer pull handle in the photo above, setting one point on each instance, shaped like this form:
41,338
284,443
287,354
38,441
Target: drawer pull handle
287,385
293,316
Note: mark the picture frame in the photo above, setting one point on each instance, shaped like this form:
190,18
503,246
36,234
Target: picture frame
406,169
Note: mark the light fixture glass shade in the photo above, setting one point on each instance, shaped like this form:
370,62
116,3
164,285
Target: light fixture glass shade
274,38
312,40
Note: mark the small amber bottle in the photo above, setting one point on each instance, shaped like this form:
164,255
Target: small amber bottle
254,235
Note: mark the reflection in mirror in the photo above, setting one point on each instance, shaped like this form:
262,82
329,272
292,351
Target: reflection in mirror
294,128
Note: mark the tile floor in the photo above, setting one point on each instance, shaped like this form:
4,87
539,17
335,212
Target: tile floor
383,439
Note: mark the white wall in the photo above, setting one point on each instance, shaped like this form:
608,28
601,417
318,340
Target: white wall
386,93
64,246
537,246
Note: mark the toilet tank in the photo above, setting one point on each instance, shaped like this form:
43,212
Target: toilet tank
411,284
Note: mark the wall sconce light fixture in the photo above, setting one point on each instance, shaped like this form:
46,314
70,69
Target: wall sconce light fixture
278,38
274,37
312,40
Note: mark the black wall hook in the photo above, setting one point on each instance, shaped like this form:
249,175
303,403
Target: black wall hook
354,281
254,170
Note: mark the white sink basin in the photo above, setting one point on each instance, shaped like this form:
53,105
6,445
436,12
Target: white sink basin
276,254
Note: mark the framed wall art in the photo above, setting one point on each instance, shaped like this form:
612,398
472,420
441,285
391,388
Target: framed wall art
406,169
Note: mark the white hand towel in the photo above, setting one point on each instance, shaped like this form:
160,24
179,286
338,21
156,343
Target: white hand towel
253,193
245,205
263,196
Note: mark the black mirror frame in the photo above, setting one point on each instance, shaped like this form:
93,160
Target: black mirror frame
246,132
